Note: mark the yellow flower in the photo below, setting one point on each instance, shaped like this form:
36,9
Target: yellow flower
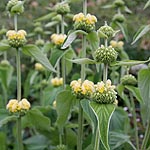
23,32
12,105
100,87
54,104
120,44
57,81
113,43
78,17
58,39
91,19
24,104
87,87
39,67
10,33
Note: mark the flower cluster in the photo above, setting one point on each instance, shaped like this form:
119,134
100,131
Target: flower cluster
16,39
105,54
117,45
82,90
58,39
106,31
104,93
84,22
119,18
15,6
62,8
101,92
15,106
57,81
39,67
128,79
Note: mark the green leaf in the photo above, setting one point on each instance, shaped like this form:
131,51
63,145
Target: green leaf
38,120
123,28
35,52
147,4
129,62
107,6
3,140
4,47
93,40
103,113
135,91
36,142
83,61
120,121
141,32
128,10
7,119
117,139
89,112
50,24
64,102
144,87
71,37
46,17
6,75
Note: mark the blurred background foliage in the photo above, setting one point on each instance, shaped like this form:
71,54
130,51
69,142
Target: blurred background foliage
36,8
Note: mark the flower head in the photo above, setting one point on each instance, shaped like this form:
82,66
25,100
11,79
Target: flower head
16,38
57,81
58,39
39,67
24,104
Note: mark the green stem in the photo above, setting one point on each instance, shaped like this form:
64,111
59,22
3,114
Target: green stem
19,138
85,7
146,136
19,135
15,22
80,129
97,140
62,25
18,75
134,121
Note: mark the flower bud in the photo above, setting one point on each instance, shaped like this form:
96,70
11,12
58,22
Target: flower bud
5,63
61,147
128,80
58,39
24,104
106,31
38,30
119,18
39,67
62,8
3,31
105,54
39,42
119,3
57,81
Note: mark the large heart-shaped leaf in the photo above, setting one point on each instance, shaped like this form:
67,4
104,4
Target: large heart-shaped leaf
35,52
63,106
35,118
103,113
144,87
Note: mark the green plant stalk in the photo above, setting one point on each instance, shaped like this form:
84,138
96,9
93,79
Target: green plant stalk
83,74
5,95
146,136
80,129
58,64
134,121
105,71
18,66
97,140
19,136
63,58
5,53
